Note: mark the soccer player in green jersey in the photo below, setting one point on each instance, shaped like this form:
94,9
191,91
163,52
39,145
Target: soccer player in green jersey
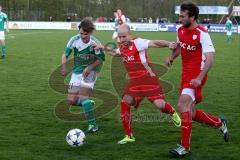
87,63
116,24
3,20
229,29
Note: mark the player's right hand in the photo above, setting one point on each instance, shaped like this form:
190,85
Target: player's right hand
169,62
97,46
63,71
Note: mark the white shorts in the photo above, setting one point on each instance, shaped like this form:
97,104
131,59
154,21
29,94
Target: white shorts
78,81
115,35
229,33
190,92
2,35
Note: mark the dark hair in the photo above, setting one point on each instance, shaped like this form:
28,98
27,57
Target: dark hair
86,25
192,9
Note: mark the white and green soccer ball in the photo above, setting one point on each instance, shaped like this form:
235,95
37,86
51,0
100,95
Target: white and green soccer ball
75,137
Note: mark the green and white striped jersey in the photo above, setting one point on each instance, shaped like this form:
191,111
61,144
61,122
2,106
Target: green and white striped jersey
229,25
84,53
116,23
3,19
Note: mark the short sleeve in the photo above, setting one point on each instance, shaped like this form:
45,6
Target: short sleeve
99,53
206,42
69,47
5,17
141,44
123,18
177,34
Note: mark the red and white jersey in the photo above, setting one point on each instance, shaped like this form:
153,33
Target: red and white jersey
194,43
134,57
121,19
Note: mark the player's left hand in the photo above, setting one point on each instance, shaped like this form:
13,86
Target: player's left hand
195,82
172,45
86,71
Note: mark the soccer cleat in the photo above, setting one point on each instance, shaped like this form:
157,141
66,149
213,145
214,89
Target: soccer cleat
3,57
176,119
126,139
180,151
224,130
93,102
92,129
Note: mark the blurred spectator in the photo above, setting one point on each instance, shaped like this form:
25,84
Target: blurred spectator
163,20
145,20
50,19
69,19
150,20
128,20
157,20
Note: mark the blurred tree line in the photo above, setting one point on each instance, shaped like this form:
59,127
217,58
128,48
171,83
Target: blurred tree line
59,10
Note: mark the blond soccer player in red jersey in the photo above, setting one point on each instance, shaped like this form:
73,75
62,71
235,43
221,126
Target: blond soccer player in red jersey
143,82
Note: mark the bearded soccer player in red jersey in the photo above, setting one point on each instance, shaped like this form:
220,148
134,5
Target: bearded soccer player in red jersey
196,49
143,80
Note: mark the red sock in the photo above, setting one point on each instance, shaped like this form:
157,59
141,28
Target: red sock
126,118
186,129
205,118
168,109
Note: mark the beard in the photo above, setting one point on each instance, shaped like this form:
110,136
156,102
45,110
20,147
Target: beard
187,25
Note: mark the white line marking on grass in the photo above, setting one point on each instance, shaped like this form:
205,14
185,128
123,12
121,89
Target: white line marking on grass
28,33
13,36
10,37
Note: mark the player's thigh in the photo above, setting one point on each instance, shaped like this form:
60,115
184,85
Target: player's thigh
2,42
87,85
2,37
74,84
84,92
72,98
185,103
193,109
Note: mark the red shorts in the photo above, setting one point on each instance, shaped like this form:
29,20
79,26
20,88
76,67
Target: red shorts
144,88
198,90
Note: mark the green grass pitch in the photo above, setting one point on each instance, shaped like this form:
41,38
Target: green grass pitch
29,128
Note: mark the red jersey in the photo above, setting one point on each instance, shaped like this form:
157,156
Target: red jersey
194,43
136,62
135,57
121,19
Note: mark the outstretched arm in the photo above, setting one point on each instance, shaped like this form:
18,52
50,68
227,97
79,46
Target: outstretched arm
161,44
109,51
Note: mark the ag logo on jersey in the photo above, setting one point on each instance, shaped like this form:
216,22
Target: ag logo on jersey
194,37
